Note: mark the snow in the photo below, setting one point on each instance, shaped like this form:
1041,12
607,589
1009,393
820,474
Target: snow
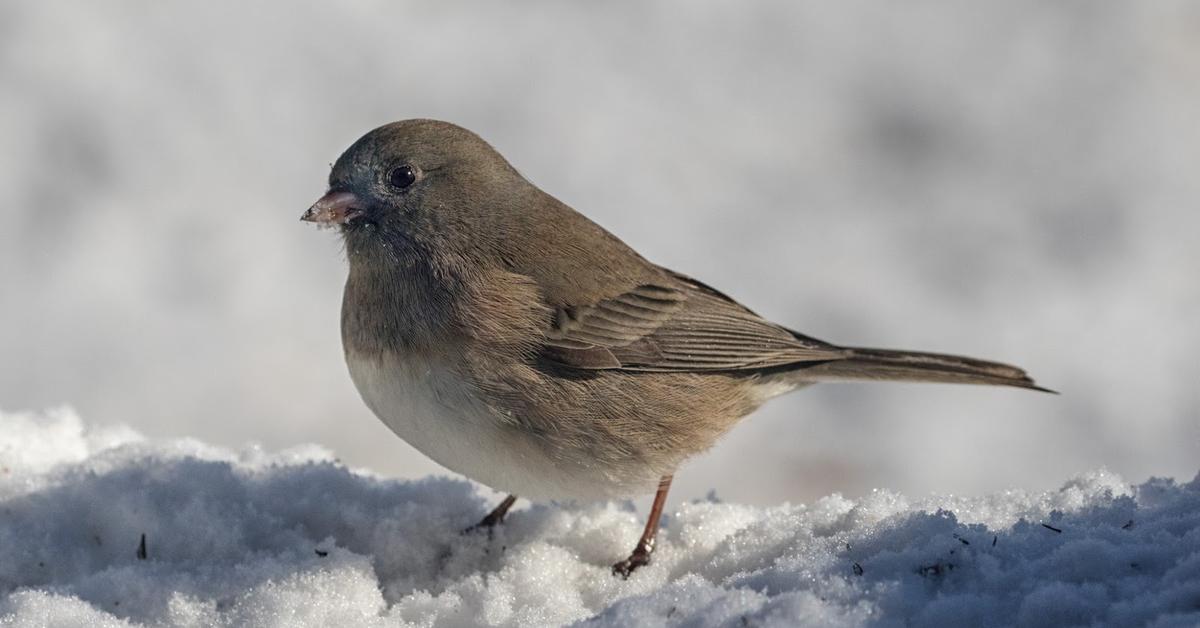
295,538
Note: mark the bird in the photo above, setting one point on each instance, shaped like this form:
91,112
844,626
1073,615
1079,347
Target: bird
514,341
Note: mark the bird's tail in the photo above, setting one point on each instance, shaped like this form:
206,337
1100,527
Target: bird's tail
912,366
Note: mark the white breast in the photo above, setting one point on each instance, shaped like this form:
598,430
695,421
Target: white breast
432,409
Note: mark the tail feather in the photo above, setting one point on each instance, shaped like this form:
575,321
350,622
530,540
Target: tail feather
913,366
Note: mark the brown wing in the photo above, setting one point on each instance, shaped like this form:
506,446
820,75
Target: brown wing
678,324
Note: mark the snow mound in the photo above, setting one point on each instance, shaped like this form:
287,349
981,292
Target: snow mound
104,527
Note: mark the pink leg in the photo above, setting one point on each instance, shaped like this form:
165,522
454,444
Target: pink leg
645,546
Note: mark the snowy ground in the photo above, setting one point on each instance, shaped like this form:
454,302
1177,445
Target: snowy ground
295,538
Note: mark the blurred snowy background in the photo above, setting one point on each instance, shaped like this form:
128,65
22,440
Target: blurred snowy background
1015,181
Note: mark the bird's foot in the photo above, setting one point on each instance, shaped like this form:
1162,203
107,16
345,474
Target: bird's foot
639,558
493,519
488,524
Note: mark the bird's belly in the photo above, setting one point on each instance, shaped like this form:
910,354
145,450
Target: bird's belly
432,409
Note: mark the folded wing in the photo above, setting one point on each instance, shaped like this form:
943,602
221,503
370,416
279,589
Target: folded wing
678,324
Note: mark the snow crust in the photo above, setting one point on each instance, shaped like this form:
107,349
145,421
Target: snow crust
294,538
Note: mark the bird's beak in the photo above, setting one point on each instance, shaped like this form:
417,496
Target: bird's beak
335,208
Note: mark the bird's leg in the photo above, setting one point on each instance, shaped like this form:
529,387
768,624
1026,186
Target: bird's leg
641,553
494,517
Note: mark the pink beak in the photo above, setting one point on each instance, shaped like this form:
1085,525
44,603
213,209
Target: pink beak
335,208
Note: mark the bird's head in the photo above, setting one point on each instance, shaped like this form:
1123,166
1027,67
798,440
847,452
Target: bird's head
419,187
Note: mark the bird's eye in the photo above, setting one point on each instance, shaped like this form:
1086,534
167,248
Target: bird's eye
402,177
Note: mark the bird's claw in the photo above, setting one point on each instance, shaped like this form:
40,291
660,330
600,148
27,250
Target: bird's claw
491,530
638,558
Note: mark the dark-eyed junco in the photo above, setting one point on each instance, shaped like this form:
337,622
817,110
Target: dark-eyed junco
514,341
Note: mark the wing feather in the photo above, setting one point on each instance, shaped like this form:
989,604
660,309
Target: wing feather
677,325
